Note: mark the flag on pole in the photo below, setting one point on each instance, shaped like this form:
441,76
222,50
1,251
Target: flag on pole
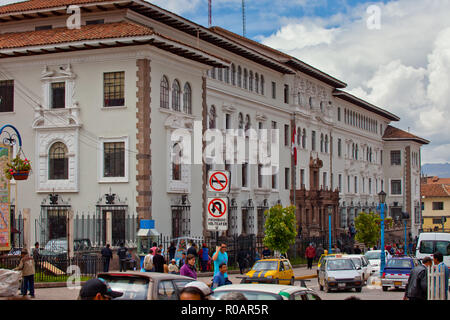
294,145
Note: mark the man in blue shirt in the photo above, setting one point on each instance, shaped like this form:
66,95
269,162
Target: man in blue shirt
219,257
219,278
439,262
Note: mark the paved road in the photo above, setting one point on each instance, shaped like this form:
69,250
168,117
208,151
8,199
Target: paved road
371,292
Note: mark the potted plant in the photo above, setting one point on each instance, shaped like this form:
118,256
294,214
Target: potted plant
18,168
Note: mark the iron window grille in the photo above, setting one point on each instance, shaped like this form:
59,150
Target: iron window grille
114,89
6,95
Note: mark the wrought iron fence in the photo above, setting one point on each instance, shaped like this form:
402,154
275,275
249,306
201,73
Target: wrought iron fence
59,268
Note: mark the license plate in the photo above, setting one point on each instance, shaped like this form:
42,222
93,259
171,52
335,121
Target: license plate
397,283
341,285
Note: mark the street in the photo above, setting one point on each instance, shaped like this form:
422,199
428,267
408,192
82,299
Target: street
370,292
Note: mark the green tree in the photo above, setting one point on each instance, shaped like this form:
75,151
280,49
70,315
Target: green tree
368,229
280,228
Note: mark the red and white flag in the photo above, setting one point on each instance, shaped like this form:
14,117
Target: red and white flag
294,145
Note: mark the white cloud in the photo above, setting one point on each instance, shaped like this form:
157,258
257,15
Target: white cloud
404,67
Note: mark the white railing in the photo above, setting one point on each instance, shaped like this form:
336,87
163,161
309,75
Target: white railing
436,283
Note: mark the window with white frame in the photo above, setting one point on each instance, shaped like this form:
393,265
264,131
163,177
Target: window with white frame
396,187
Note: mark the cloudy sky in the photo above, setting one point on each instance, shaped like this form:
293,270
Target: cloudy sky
395,54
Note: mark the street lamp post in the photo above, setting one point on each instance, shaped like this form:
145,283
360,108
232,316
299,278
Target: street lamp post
405,217
381,206
330,210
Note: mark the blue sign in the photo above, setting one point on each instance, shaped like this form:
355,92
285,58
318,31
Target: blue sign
147,224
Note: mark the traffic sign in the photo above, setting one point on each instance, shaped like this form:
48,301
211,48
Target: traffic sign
217,219
218,181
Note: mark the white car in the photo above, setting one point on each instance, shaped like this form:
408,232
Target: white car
267,292
374,257
362,265
339,273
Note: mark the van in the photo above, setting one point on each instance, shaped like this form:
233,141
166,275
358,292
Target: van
430,242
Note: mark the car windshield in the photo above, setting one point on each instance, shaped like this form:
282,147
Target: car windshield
340,264
133,288
399,263
357,262
373,255
430,246
250,295
265,265
56,245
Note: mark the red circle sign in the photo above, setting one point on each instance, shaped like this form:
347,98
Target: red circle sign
217,208
216,179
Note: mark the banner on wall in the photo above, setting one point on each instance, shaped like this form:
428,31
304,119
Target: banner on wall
5,214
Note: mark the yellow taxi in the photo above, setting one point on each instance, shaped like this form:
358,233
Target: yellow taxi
271,270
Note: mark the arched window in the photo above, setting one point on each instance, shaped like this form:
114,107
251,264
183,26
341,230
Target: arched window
239,77
187,99
241,121
176,96
262,85
245,79
321,106
326,143
256,82
247,122
304,139
299,99
212,117
226,75
176,161
321,142
58,166
164,93
310,102
250,81
233,74
213,73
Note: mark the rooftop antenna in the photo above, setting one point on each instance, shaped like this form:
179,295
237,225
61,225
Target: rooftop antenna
209,13
243,19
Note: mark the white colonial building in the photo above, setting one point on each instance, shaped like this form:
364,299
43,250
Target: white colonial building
97,107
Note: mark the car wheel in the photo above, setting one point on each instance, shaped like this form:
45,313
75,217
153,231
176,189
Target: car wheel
385,288
292,281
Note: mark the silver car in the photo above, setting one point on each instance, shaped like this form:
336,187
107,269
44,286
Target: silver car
339,273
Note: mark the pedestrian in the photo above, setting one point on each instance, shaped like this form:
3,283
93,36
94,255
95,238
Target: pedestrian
188,269
220,279
182,261
172,250
161,247
219,257
357,250
193,250
173,269
310,255
266,252
242,259
154,248
26,265
438,259
159,261
35,252
107,255
148,262
97,289
122,253
417,287
195,290
204,256
336,249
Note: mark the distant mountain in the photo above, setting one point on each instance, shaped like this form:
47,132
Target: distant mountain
441,170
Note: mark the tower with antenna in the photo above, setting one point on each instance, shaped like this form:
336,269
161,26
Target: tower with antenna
243,19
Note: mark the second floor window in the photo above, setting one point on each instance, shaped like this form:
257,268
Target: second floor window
58,162
176,96
438,206
164,93
58,95
6,95
114,89
396,158
114,159
396,187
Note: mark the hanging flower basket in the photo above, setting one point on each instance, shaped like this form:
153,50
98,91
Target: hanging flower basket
18,168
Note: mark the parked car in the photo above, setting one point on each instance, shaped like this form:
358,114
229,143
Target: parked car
397,271
339,273
271,270
267,292
137,285
362,265
374,257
